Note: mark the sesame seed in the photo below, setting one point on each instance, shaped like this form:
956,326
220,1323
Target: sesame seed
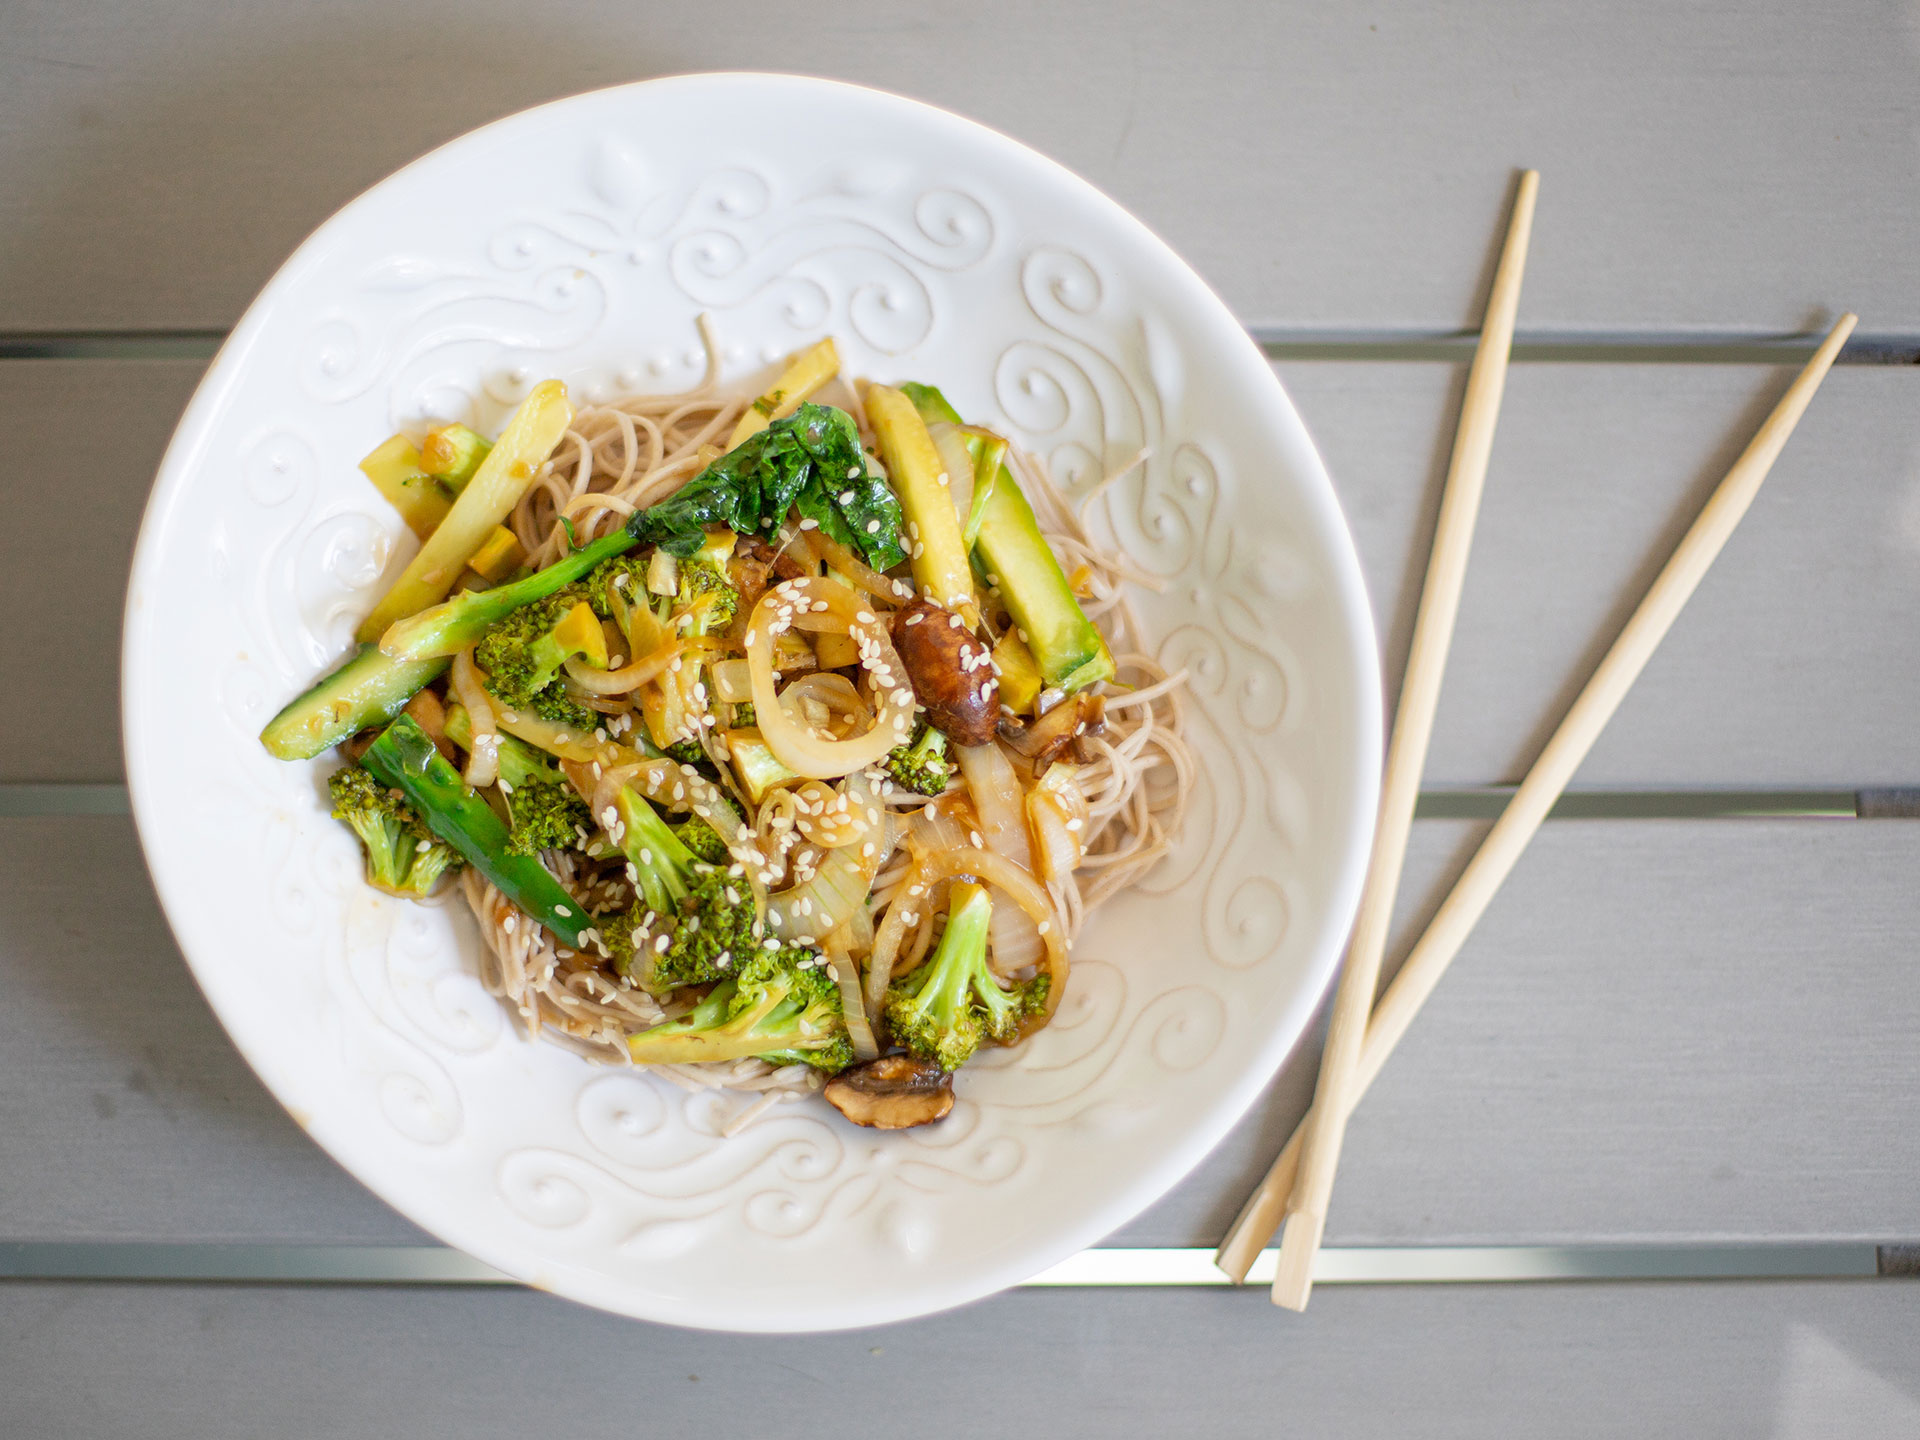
847,498
809,523
600,734
1045,926
916,617
873,527
978,843
423,847
510,923
853,473
562,911
661,943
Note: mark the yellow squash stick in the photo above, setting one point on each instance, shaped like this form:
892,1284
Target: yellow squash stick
496,487
920,479
804,375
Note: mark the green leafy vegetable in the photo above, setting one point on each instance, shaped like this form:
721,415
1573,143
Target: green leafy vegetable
811,461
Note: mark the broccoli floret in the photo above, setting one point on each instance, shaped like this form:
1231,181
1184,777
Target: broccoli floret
547,812
687,752
703,840
555,704
704,915
706,596
523,653
745,717
404,857
782,1006
921,764
623,572
944,1010
547,815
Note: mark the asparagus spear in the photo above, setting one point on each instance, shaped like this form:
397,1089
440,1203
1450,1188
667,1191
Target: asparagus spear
405,757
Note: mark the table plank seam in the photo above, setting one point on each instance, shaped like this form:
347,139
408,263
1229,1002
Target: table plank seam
280,1264
1279,343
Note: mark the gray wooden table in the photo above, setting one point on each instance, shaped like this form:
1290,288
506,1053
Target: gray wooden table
1681,1044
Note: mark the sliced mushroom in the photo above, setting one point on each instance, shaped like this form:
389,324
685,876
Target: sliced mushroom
1067,723
951,671
895,1092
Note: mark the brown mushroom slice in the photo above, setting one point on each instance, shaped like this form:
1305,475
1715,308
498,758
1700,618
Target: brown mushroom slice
951,670
895,1092
1042,741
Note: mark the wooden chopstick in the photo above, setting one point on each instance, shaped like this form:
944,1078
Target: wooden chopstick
1406,760
1545,781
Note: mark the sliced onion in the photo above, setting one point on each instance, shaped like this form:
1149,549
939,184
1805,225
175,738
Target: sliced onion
839,887
1058,811
483,754
627,677
731,681
845,562
813,700
799,750
828,817
1001,806
846,971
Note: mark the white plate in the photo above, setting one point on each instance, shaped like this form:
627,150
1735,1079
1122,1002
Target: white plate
579,240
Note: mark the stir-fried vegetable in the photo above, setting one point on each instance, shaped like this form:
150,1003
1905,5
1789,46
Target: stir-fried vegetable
405,757
1067,648
496,487
810,462
368,689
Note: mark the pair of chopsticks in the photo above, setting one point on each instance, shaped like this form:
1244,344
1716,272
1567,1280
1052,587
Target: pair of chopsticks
1360,1034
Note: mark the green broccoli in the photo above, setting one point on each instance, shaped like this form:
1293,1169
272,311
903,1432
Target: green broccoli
745,717
692,922
706,596
687,752
782,1006
548,813
946,1008
620,581
921,764
703,840
404,857
523,653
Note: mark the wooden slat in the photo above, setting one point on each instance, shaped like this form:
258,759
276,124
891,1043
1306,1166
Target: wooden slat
1793,1360
1663,1031
1713,166
1792,666
1793,663
85,438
